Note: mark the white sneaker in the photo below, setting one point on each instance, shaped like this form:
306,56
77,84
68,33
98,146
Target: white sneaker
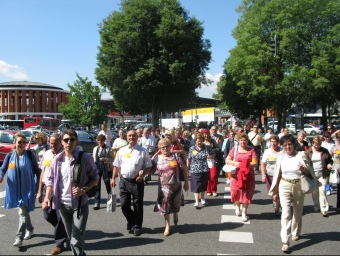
28,235
228,181
203,202
328,192
17,243
196,205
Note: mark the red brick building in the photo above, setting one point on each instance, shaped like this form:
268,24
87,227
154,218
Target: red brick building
21,98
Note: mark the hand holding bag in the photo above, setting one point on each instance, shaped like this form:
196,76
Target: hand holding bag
230,168
210,161
111,201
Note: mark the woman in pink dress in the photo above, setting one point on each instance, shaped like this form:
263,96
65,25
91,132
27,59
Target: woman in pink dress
242,182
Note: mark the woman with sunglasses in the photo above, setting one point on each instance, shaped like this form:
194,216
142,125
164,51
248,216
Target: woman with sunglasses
169,186
41,146
103,158
20,187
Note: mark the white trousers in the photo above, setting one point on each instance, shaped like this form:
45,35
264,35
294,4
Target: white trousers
291,222
319,195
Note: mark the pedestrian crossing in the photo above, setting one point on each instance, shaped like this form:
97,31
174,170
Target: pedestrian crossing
233,236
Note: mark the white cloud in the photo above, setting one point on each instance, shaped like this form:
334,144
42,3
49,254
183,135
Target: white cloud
12,71
206,91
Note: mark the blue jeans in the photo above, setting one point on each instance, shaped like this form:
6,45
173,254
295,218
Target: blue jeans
75,228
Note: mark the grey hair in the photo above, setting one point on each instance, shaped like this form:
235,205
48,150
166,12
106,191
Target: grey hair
300,133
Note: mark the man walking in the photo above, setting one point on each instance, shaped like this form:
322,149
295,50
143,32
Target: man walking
133,163
70,198
256,139
51,215
108,135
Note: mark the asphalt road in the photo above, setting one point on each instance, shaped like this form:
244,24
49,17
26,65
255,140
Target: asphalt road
211,230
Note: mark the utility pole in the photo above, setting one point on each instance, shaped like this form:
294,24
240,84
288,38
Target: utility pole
274,46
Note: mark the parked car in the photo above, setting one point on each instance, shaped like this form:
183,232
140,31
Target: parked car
143,125
291,128
6,143
311,130
86,140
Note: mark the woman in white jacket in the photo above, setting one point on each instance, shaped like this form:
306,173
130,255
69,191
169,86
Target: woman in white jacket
287,183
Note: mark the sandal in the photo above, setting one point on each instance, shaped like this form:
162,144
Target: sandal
285,248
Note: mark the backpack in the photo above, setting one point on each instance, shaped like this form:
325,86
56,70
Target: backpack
76,176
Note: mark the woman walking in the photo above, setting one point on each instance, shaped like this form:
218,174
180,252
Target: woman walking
322,165
103,158
268,162
287,184
20,187
242,183
198,166
169,186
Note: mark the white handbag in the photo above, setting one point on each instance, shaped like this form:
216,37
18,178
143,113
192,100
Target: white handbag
230,168
334,177
111,201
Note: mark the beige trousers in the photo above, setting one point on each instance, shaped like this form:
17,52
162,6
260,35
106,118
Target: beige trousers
291,223
319,195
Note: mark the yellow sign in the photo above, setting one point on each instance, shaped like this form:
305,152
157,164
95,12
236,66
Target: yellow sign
199,114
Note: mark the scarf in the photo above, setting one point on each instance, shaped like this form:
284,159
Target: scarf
244,175
20,187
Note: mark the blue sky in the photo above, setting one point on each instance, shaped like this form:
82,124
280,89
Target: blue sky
49,41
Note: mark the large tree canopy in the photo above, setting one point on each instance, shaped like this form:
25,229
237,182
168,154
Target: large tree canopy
304,74
84,107
152,56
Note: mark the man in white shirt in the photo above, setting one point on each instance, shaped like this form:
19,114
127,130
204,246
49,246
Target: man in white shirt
257,140
133,163
108,135
267,136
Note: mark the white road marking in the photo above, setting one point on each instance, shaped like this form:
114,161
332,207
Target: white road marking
233,219
236,237
2,194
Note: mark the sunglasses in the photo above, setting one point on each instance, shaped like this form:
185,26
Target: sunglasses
22,142
37,138
69,139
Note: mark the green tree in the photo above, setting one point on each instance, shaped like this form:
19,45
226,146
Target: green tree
305,74
84,103
152,56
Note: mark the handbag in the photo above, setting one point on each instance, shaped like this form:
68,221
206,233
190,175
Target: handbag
334,177
210,161
111,202
308,184
230,168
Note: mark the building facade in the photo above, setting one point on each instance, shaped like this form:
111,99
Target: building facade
22,98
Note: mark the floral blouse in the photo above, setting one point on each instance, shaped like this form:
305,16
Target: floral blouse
198,158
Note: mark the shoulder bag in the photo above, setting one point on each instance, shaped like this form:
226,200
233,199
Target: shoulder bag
308,183
230,168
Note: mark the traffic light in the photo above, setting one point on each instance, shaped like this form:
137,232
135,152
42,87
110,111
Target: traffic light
273,46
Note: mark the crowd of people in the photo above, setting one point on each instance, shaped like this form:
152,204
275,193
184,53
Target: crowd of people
60,176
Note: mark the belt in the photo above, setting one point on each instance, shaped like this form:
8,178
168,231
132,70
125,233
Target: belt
291,181
130,180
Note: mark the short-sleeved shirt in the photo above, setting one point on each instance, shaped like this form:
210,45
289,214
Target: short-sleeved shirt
270,159
131,160
198,159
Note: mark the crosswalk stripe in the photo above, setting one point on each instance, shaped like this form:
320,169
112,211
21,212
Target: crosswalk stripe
227,196
227,188
2,194
236,237
228,207
233,219
2,215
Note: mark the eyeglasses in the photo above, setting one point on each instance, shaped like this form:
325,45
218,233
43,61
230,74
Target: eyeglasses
22,142
288,145
69,139
37,138
165,147
326,137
